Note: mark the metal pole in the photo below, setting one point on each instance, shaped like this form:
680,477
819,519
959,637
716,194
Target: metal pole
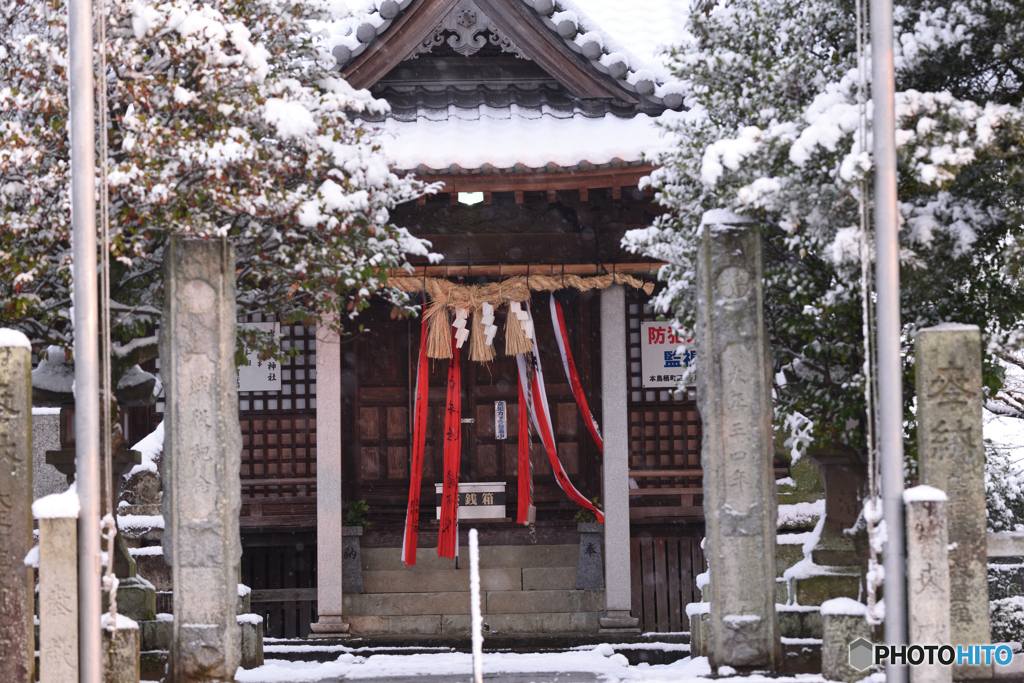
890,375
86,322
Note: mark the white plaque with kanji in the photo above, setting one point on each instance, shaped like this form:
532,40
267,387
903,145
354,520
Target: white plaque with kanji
664,355
256,374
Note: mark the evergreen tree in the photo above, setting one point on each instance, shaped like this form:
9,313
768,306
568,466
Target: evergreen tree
225,119
773,132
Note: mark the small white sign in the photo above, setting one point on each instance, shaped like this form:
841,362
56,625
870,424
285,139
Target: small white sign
662,361
500,420
256,374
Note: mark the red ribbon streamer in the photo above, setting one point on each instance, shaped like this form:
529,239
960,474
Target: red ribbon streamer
560,476
525,478
540,412
448,538
562,337
419,440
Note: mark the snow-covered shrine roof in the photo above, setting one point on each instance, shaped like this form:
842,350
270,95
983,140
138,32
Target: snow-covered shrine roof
590,83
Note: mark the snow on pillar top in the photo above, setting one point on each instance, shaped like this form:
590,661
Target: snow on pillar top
843,607
58,505
13,338
922,493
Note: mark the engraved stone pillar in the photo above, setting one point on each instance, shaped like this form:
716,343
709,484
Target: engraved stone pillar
927,578
58,599
202,449
17,646
615,416
951,455
329,545
734,398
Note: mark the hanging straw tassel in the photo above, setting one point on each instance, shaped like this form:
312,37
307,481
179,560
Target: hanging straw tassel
439,339
516,341
479,350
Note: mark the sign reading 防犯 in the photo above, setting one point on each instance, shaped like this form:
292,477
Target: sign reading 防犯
664,355
256,374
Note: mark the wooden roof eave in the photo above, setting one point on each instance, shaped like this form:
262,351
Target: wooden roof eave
539,182
513,18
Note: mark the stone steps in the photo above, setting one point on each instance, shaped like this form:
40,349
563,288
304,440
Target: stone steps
524,589
457,602
491,557
636,648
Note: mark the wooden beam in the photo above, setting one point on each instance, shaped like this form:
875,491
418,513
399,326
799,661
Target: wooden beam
283,594
542,269
552,196
519,197
593,179
283,481
487,197
550,52
398,42
584,195
453,198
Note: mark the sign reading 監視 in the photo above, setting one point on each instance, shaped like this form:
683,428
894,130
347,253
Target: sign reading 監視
256,374
662,360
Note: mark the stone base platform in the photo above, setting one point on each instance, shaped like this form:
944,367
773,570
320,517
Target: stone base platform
630,646
524,590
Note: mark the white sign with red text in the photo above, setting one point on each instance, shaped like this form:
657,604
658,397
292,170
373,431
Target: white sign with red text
664,355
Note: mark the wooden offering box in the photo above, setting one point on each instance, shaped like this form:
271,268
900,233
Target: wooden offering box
483,500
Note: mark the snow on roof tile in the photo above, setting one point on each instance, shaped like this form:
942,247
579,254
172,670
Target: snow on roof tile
623,40
529,143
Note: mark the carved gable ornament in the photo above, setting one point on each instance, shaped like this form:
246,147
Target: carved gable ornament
467,30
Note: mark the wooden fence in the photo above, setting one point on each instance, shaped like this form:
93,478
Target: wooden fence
664,571
282,577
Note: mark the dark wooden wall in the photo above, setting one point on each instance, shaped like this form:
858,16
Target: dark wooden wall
378,371
664,564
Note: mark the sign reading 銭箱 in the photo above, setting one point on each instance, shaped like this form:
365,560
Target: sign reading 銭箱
664,355
500,421
256,374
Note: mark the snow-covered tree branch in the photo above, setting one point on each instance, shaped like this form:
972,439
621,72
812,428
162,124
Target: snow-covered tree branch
225,118
774,131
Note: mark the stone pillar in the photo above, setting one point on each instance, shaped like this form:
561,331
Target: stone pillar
201,459
329,546
58,600
121,651
589,569
927,578
734,398
951,457
615,479
17,642
843,623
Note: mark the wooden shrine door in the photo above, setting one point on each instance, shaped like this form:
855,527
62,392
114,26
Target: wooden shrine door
379,371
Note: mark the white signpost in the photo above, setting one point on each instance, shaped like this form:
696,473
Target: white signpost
256,374
664,355
500,420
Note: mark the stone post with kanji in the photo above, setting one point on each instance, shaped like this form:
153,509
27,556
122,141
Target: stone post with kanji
17,645
57,514
951,456
927,578
201,459
734,396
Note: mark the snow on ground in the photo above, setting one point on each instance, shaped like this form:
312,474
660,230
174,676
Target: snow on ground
610,669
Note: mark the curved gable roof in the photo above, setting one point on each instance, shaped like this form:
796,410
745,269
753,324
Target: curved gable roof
560,39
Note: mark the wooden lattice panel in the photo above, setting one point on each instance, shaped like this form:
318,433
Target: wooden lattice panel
664,437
